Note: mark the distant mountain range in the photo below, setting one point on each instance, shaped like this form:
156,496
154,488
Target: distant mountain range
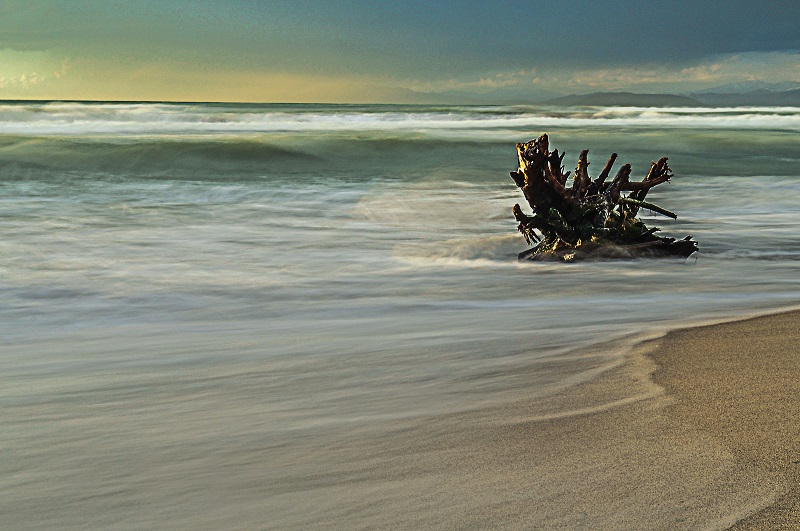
750,93
744,87
758,98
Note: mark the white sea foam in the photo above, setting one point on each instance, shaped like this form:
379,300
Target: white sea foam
137,119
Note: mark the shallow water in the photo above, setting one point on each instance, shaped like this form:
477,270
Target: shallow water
192,281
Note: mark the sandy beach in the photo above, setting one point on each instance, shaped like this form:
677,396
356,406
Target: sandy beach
738,383
694,430
711,439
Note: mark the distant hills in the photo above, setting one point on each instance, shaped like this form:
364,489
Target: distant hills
760,97
725,97
748,93
743,87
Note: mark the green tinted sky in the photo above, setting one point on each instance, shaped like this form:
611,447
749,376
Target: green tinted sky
338,50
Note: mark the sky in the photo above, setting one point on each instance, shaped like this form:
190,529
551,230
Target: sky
355,51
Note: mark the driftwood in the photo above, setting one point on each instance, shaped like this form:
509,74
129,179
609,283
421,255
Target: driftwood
589,218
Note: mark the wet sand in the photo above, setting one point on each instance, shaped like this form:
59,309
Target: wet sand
697,429
740,384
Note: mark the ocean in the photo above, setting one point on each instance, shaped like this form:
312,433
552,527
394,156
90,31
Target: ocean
219,315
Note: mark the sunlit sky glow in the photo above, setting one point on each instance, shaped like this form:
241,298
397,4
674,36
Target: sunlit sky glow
382,51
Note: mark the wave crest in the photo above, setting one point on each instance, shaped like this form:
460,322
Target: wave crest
165,118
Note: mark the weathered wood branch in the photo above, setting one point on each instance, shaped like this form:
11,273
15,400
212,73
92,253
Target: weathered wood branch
606,170
580,179
649,206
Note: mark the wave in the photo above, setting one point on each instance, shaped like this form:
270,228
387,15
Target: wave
171,119
20,155
359,143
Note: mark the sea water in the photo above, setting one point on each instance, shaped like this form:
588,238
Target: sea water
190,293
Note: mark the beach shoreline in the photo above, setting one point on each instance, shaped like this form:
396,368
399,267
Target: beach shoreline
738,382
686,430
691,428
650,442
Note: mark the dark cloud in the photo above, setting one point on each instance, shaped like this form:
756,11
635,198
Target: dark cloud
415,40
413,37
579,32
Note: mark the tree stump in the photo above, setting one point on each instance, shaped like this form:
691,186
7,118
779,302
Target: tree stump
589,218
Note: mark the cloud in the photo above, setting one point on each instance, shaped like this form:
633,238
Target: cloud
760,66
481,84
66,66
42,74
23,81
26,73
714,70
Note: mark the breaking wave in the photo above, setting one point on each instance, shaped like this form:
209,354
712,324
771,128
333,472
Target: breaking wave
74,118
